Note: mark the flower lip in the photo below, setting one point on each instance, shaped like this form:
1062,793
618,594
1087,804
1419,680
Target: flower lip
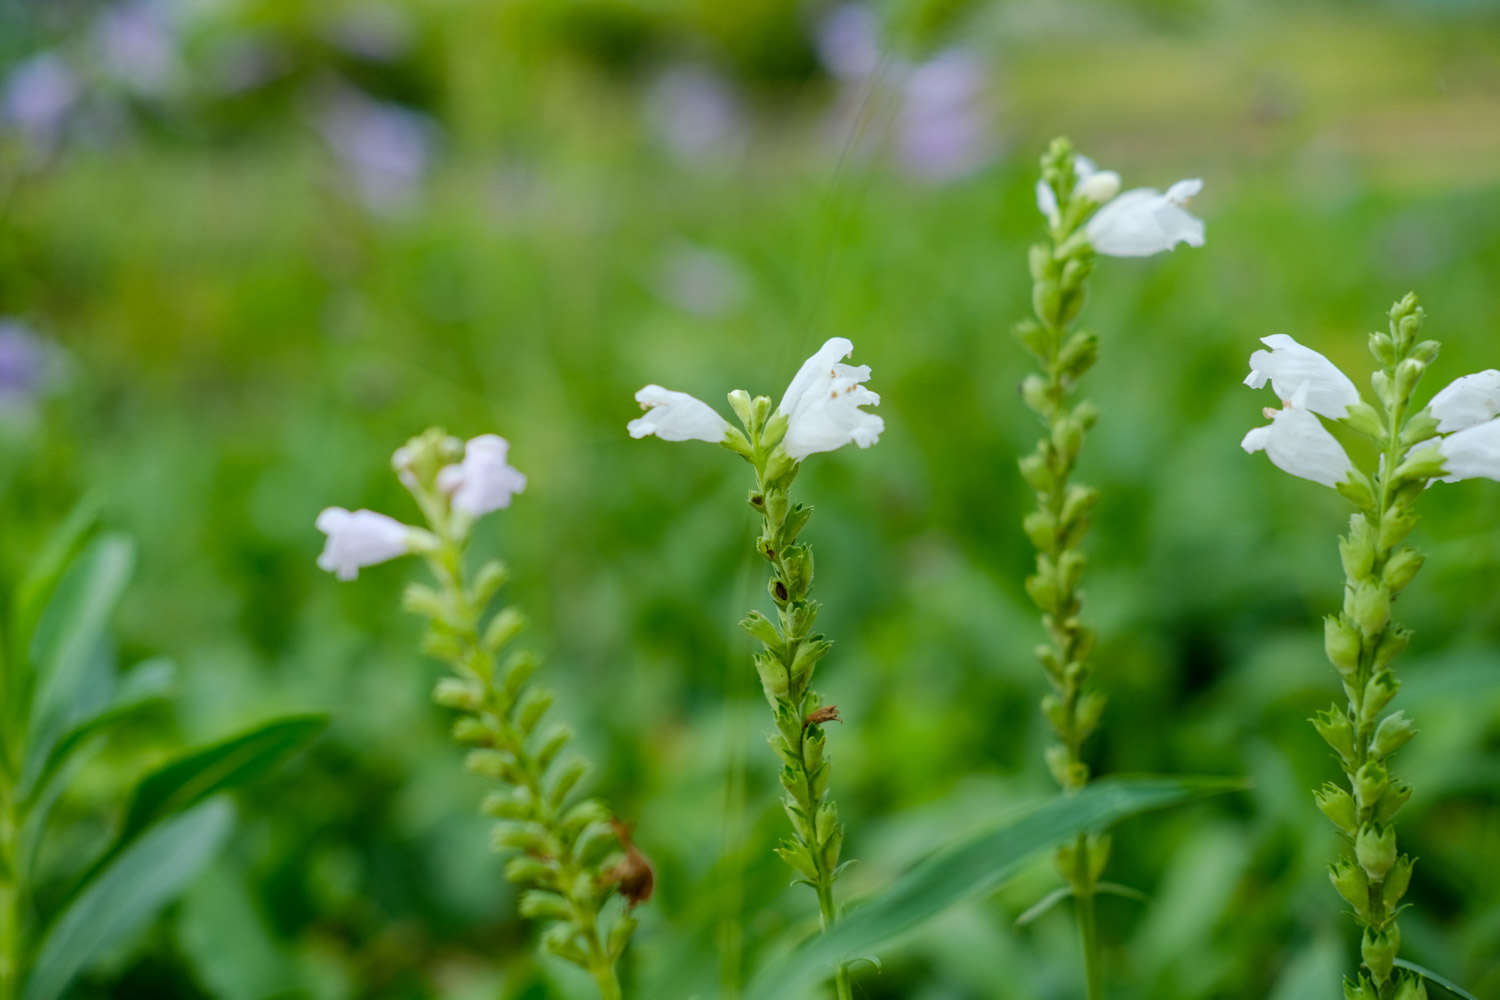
360,538
676,416
483,481
1467,401
823,403
1292,368
1297,443
1142,222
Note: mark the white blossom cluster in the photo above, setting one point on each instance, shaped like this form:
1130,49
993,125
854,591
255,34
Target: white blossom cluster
1467,412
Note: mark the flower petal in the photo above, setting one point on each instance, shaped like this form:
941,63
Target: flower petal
1294,369
676,416
1142,222
822,404
1467,401
1472,453
1297,443
359,538
484,481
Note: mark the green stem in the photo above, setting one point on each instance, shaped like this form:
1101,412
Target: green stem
448,563
10,896
1088,931
827,915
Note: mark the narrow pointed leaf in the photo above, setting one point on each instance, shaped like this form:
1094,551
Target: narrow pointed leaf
187,780
125,894
1435,979
971,868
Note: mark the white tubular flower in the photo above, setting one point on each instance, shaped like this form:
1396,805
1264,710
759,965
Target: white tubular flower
1295,369
1472,453
1094,184
1296,442
822,404
1142,222
676,416
483,481
1467,401
358,539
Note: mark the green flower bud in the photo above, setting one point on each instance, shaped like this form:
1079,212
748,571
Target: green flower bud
1368,605
1421,465
1036,471
773,676
1041,527
1362,417
1079,353
1400,569
1378,949
454,692
1408,374
1341,643
1390,646
1370,783
1333,725
1090,710
1033,336
1338,806
1041,587
1375,849
1396,881
1378,694
538,904
1411,987
1357,548
1396,795
1034,394
491,764
1040,259
1382,348
525,869
1351,883
1393,733
471,732
1394,527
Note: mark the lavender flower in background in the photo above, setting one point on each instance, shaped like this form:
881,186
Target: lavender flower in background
137,48
379,32
387,149
946,131
700,281
695,113
848,42
39,94
942,110
26,365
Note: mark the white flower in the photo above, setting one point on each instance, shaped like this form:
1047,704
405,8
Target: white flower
1296,442
1095,184
1142,222
1295,369
483,481
822,404
358,539
1472,453
676,416
1467,401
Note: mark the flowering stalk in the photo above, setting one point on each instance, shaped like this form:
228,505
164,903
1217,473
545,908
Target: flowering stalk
1454,437
1058,524
1136,223
820,411
572,856
786,663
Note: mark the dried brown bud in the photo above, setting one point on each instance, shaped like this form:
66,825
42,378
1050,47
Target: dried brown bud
828,713
634,874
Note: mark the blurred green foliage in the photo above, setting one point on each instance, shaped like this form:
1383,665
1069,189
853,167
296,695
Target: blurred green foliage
247,340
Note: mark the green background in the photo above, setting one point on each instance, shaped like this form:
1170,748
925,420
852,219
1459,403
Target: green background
247,343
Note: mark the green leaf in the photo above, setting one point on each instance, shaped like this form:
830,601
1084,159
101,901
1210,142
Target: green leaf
971,868
187,780
65,647
47,566
148,684
126,894
1434,978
